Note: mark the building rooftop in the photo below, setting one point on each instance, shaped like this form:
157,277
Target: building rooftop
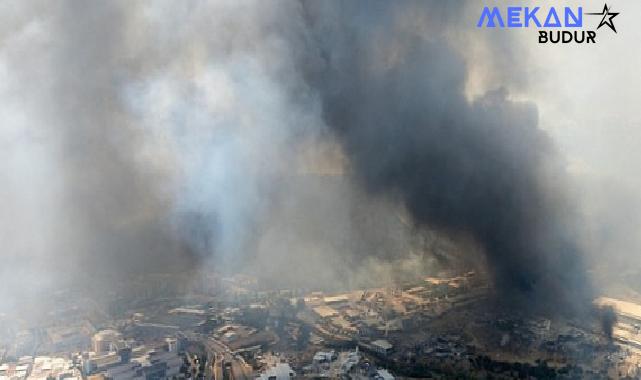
336,299
325,311
281,371
383,374
382,343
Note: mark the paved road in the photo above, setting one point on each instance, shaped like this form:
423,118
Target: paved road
225,365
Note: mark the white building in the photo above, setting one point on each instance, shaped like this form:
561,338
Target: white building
382,346
324,357
383,374
126,371
281,371
103,341
45,367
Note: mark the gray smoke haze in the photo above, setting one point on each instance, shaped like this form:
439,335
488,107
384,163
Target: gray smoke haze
149,137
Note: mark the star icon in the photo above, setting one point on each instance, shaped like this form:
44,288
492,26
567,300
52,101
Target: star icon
607,18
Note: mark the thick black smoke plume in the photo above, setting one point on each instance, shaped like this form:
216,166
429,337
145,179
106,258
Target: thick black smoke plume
396,97
608,320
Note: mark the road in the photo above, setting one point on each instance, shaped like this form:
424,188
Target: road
225,365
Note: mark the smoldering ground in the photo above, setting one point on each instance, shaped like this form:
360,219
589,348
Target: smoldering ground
174,135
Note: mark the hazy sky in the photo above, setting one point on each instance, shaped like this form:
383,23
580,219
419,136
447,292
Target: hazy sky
588,100
587,95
